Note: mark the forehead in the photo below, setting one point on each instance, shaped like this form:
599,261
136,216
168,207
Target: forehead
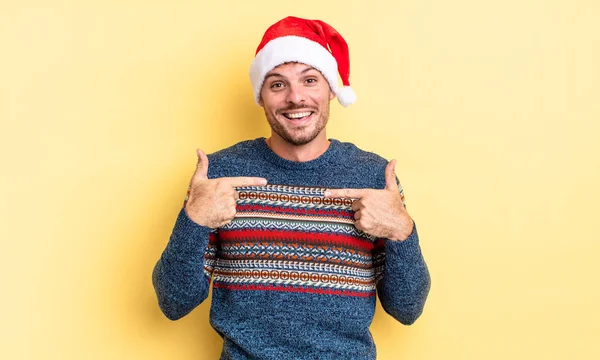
292,68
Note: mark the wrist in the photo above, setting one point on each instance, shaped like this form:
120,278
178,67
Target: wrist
194,215
403,232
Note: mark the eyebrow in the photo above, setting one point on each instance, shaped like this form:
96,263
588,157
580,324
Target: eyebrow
279,75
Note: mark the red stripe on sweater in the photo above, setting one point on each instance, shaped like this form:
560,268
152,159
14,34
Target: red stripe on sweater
379,244
320,291
295,236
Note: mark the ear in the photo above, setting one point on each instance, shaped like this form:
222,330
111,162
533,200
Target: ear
261,103
331,95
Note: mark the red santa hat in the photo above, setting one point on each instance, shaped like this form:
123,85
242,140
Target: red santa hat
311,42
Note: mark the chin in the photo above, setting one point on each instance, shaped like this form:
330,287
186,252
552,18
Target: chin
300,142
300,139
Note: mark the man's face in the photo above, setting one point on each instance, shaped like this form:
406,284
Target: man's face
296,99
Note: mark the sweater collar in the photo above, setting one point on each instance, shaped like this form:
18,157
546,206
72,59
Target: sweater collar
328,157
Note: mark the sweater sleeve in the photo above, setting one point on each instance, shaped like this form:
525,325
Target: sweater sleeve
181,277
403,279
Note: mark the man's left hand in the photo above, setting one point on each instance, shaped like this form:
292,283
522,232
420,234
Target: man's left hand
379,213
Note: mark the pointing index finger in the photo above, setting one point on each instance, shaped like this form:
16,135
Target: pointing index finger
240,181
345,193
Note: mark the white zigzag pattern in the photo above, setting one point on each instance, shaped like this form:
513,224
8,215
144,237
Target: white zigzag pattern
285,250
228,279
292,265
245,223
294,217
291,248
296,190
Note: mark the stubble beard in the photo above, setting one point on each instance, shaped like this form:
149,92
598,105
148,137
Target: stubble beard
301,137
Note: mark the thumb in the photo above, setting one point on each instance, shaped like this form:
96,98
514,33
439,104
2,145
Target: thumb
390,176
202,167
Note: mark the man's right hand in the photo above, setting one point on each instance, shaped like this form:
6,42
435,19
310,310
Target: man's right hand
211,202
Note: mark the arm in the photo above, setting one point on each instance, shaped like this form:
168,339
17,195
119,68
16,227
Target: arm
401,274
181,277
403,278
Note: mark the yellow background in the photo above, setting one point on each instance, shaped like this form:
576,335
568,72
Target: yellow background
492,109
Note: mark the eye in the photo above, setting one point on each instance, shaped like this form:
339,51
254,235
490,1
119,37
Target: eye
276,85
311,80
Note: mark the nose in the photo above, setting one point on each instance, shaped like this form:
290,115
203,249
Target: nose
296,94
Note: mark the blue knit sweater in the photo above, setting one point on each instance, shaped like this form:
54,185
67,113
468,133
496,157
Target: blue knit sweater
292,277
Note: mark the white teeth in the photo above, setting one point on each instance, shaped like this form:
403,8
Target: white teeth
298,115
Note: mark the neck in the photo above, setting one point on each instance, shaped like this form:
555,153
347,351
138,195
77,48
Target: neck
299,153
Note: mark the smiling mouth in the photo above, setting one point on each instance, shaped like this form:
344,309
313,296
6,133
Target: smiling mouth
298,116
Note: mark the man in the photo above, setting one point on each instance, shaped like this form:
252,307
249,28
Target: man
297,232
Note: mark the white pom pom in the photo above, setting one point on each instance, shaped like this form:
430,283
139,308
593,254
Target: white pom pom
346,96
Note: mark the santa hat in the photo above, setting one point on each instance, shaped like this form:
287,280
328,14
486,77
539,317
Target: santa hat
311,42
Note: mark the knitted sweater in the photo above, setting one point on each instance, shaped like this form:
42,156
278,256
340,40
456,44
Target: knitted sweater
292,277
